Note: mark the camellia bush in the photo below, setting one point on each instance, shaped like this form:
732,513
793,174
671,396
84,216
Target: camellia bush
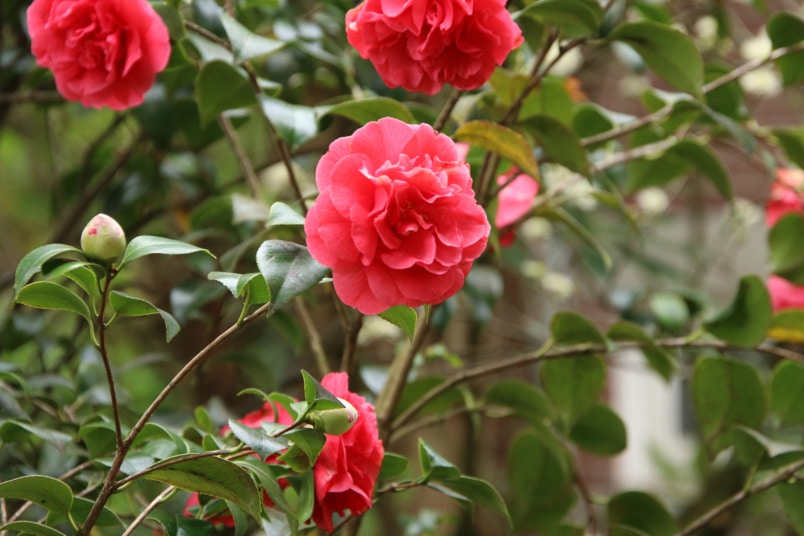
285,266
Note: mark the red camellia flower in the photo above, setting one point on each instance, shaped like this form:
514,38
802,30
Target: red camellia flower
784,294
786,195
101,52
396,218
347,468
515,200
421,45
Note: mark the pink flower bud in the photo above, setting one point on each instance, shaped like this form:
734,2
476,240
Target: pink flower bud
103,239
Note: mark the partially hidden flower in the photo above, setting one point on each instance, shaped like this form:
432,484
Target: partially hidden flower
346,470
421,45
103,239
784,294
253,419
515,200
101,52
786,195
396,219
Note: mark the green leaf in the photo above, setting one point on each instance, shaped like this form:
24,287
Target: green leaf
49,295
79,512
792,141
143,245
30,527
523,398
786,253
417,388
501,140
475,491
575,18
670,53
749,446
704,161
658,359
567,327
308,441
726,392
282,214
573,384
435,468
258,439
178,525
221,87
792,494
600,431
640,512
83,274
245,43
560,143
31,264
540,478
49,493
577,229
788,326
786,29
403,317
127,305
787,392
746,321
295,124
289,270
215,477
251,286
362,111
393,466
316,395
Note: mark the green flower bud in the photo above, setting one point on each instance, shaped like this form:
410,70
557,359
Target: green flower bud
103,239
334,421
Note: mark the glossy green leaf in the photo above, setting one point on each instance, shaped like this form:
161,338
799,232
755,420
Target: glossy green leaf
283,214
215,477
316,395
362,111
289,270
393,466
79,512
221,87
179,525
540,479
791,140
49,295
746,321
658,359
435,468
558,142
306,446
501,140
573,384
143,245
30,528
575,18
726,392
258,439
474,491
251,286
786,29
568,327
31,264
83,274
127,305
640,512
245,43
787,392
786,253
523,398
749,446
403,317
668,52
792,494
600,431
704,161
49,493
295,124
788,326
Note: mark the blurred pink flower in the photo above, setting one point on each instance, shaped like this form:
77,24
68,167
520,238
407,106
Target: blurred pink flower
786,195
515,200
396,218
784,294
421,45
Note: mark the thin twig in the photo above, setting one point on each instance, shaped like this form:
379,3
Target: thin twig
446,111
107,366
240,154
159,499
315,337
350,343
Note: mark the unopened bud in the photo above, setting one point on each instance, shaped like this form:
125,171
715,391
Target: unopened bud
334,421
103,239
